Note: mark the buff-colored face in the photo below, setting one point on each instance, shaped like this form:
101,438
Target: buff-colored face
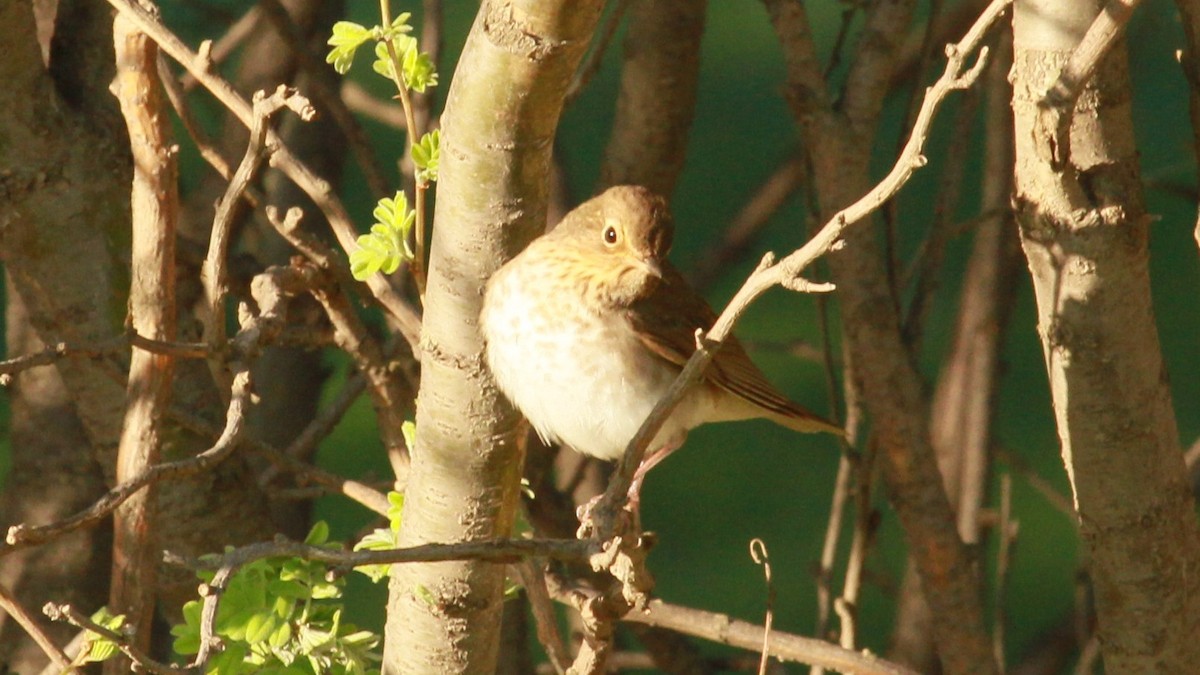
621,238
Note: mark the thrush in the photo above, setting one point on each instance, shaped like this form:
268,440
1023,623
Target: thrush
589,325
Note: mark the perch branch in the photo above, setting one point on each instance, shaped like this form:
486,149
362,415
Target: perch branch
787,272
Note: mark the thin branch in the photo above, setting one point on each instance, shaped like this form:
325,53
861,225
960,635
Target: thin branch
787,272
22,535
52,354
543,615
784,646
329,99
215,53
595,58
14,608
177,97
758,553
257,151
141,660
317,189
270,289
417,266
1008,533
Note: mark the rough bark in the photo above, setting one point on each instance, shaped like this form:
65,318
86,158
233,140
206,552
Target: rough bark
155,210
658,95
63,207
53,475
1084,230
497,135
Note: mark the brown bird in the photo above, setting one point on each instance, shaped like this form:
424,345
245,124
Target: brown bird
589,325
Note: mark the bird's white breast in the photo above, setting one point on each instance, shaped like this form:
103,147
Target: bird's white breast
579,378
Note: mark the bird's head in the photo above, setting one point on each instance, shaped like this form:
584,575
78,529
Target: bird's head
621,237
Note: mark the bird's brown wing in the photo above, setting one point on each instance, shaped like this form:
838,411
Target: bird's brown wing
666,321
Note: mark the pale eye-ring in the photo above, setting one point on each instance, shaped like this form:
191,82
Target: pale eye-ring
610,235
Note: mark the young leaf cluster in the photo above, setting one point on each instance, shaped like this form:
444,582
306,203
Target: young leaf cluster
426,155
383,539
98,648
386,246
282,617
417,70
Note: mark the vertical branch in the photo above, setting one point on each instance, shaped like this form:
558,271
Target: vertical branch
155,202
497,134
1085,231
964,398
658,95
839,145
1189,59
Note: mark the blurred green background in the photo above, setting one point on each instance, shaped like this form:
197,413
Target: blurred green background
735,482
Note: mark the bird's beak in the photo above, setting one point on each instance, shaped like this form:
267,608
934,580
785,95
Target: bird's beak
653,267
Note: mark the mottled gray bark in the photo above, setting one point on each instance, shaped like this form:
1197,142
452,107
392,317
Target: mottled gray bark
498,130
1084,229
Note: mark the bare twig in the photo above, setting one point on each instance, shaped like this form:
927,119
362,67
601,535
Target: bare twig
391,394
51,354
784,646
330,99
543,615
758,553
595,57
787,272
22,535
13,607
1008,532
257,150
215,53
317,189
141,660
270,289
177,97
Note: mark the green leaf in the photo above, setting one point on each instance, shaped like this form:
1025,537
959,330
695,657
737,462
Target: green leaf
386,247
259,628
395,509
398,27
419,71
319,534
427,154
378,540
347,37
100,648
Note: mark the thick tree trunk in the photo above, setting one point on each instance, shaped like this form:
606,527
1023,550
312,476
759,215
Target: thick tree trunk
498,131
1084,229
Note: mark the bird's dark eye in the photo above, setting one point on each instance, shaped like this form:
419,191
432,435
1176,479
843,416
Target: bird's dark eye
610,235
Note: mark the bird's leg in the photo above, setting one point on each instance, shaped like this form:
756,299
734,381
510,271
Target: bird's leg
634,494
650,461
